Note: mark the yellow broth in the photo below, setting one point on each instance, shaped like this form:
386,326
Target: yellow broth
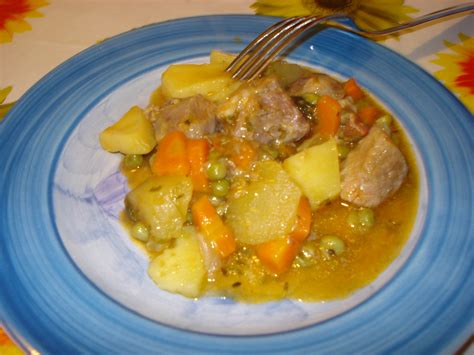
368,253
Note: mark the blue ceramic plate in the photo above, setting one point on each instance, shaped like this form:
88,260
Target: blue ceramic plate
72,281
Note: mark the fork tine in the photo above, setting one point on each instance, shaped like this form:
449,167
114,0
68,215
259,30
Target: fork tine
264,54
251,46
265,47
250,54
261,51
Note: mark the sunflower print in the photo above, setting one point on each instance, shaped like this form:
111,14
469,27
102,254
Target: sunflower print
368,14
8,347
458,69
4,108
13,14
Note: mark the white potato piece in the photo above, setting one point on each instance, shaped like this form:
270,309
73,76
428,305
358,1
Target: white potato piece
210,80
180,268
266,208
161,202
218,57
316,171
132,134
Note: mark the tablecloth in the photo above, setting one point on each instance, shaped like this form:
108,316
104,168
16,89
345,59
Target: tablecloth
37,35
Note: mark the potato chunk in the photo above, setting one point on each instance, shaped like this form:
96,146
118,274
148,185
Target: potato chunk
132,134
210,80
161,202
218,57
266,208
180,269
316,171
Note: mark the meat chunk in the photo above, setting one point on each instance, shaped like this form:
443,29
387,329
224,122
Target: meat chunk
263,111
319,84
195,116
373,171
352,129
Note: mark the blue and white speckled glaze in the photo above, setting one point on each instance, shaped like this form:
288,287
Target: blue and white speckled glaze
72,281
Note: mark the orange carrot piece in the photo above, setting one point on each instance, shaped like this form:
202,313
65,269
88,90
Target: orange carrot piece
329,114
171,156
353,90
278,254
368,114
198,152
216,233
243,154
303,221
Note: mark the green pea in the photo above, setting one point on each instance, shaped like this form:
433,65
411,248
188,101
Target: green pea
220,188
216,170
310,97
132,161
331,245
214,155
140,232
366,217
361,220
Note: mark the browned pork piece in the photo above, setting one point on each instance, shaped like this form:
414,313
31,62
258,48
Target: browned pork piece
319,84
352,128
195,116
373,171
262,111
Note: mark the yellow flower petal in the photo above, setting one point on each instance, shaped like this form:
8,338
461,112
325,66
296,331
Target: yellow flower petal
18,26
38,3
369,14
10,349
376,10
14,15
452,68
375,22
33,14
4,93
5,36
284,8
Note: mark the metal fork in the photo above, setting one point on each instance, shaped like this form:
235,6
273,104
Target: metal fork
261,51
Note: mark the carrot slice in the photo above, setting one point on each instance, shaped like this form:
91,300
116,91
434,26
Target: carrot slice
216,233
368,114
198,152
353,90
171,156
329,114
278,254
303,221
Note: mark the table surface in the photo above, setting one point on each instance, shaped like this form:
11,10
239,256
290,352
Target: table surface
38,35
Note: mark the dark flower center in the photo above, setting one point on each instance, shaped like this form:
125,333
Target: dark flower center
327,7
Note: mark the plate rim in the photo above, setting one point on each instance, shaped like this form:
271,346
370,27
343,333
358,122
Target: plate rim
31,91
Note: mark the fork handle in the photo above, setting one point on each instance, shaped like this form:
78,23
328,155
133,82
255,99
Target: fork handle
450,11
